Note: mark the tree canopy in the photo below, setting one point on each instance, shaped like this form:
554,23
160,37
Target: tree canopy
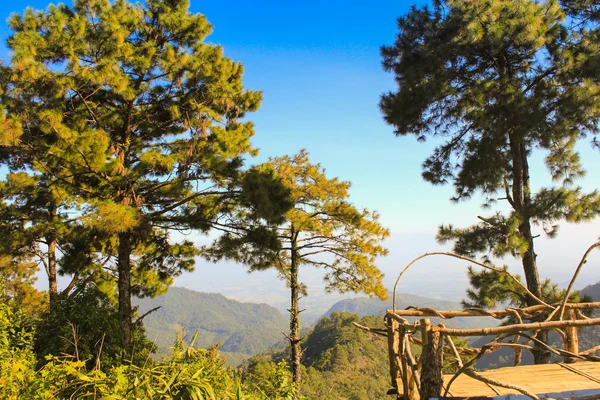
322,229
493,81
131,126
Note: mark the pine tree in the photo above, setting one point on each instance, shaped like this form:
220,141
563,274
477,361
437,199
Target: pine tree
35,204
35,210
494,81
324,230
127,107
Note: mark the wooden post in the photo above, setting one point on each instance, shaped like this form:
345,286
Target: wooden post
404,365
413,376
432,359
393,348
572,337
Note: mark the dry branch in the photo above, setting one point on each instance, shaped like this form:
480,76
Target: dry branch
404,365
376,331
402,322
445,253
413,365
534,326
141,318
454,350
484,350
570,287
590,351
561,352
494,382
447,349
527,312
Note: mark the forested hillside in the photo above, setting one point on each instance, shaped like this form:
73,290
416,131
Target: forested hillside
340,361
344,362
243,329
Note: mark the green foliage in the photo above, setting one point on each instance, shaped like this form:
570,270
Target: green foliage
35,208
84,326
326,229
18,277
484,74
189,373
322,229
16,355
272,380
17,263
340,361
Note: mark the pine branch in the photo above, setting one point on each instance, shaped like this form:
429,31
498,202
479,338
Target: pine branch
141,318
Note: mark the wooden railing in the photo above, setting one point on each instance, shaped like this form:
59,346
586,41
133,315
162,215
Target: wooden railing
416,378
420,378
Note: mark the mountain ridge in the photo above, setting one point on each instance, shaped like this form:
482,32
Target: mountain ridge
242,329
592,290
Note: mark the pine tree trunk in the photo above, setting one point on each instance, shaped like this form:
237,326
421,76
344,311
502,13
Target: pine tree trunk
521,202
295,318
51,260
540,354
124,286
432,358
52,280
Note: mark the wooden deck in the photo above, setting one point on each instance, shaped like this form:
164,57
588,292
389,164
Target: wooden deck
539,379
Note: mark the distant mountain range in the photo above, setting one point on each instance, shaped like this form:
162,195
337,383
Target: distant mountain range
592,290
243,329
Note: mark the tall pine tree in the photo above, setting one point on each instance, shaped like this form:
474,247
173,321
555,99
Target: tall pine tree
493,81
35,210
130,109
35,204
322,229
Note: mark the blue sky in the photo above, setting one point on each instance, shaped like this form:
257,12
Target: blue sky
318,65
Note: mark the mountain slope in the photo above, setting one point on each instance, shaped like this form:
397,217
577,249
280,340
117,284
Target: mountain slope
243,329
340,361
591,290
344,362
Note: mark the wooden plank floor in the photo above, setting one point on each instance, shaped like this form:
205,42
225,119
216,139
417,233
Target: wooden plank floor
539,379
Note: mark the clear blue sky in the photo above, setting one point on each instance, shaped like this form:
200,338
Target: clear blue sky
318,65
